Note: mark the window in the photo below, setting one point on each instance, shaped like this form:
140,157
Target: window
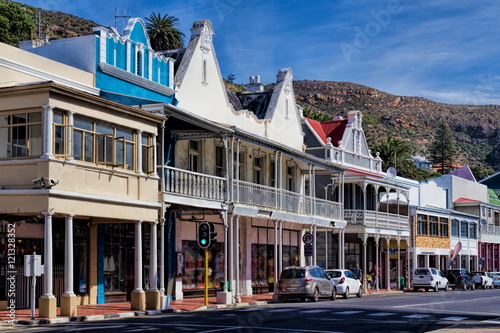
290,178
219,161
473,230
455,225
239,165
21,134
103,144
61,134
258,170
138,58
147,147
422,224
443,227
194,155
272,173
464,228
433,226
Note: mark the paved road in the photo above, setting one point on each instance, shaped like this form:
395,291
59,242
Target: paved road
464,311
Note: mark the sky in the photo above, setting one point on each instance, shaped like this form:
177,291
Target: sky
444,50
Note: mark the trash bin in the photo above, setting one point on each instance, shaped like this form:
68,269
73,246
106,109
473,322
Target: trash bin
222,284
401,282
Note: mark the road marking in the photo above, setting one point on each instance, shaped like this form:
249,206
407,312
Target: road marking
347,312
381,314
492,321
280,310
315,311
454,318
417,316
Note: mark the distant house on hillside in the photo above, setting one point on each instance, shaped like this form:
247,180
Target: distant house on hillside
421,162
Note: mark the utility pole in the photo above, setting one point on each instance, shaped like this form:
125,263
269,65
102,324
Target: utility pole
119,16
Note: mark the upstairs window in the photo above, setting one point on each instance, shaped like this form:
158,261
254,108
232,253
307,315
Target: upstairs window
433,226
147,148
194,155
443,227
455,226
20,134
138,62
61,135
258,172
219,161
422,224
464,229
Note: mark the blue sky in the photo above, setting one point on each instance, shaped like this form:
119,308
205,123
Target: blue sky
444,50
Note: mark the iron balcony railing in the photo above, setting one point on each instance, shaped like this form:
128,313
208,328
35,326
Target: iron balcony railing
274,198
490,229
371,218
194,184
203,186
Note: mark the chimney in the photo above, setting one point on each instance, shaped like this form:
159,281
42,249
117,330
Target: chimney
254,84
281,75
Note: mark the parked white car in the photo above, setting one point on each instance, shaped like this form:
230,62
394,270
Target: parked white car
482,279
428,278
345,282
496,279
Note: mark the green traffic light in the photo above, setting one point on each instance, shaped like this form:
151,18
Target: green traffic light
203,241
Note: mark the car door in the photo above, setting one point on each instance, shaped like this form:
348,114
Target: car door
325,282
351,281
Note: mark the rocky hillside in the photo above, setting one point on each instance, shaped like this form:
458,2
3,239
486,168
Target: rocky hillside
57,25
476,128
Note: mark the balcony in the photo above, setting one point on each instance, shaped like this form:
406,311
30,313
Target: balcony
194,185
369,218
273,198
489,229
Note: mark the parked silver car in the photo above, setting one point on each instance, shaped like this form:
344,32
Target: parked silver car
309,282
482,279
429,278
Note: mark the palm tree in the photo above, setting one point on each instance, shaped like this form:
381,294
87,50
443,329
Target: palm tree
396,153
163,34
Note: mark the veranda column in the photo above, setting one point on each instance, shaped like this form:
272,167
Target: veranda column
47,303
388,264
237,297
68,299
276,276
153,294
138,297
364,237
48,131
139,152
377,254
409,270
398,265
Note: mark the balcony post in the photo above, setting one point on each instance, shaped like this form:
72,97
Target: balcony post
377,255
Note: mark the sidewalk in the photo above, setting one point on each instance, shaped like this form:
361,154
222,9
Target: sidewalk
122,310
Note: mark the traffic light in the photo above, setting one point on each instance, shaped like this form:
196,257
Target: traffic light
204,235
213,234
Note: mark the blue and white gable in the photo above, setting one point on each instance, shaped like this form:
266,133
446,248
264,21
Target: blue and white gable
128,70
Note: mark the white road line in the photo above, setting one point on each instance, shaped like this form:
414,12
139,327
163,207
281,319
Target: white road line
454,318
347,312
417,316
381,314
315,311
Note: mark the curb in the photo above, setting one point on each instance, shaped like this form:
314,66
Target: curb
87,318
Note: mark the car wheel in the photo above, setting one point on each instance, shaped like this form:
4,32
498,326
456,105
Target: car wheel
360,292
346,294
464,285
484,286
334,294
473,286
315,297
436,287
282,298
446,287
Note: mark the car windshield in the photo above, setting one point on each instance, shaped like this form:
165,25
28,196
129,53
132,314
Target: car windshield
334,274
478,273
293,274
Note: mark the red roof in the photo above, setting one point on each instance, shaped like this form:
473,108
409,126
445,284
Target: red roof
465,200
333,129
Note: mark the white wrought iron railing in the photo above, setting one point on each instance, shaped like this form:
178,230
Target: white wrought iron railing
271,197
490,229
194,184
371,218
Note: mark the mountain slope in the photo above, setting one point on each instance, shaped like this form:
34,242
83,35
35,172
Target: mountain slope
414,119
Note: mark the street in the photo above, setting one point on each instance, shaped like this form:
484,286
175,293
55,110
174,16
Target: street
407,312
